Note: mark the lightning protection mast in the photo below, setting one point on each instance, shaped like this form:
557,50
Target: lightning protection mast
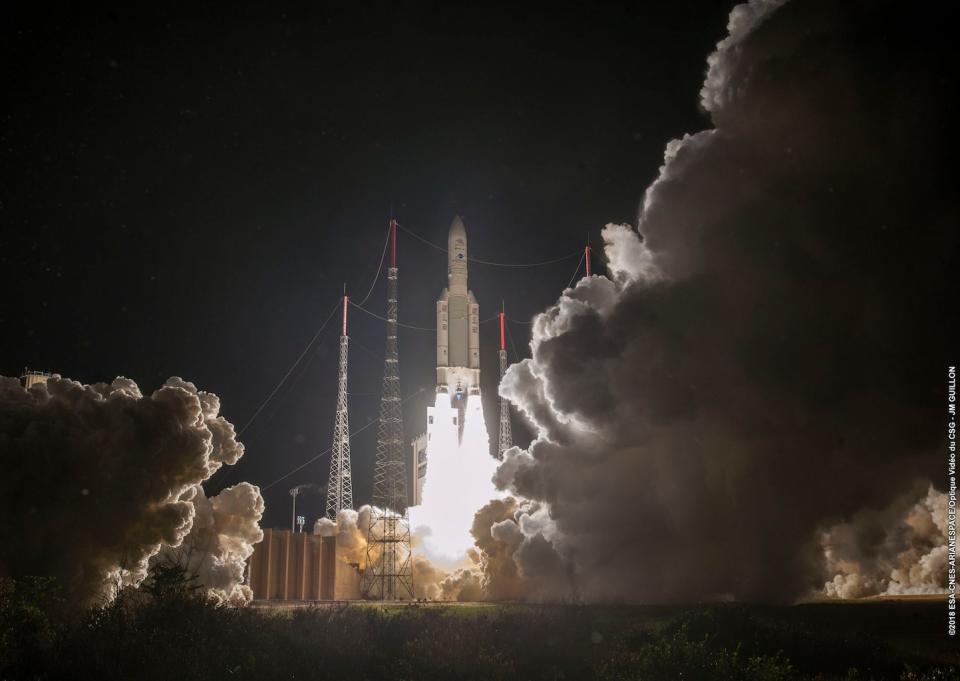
586,256
389,573
340,482
506,437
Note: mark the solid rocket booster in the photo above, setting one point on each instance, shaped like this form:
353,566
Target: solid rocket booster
458,326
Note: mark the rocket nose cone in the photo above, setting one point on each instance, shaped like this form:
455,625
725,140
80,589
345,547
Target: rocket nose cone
457,228
457,241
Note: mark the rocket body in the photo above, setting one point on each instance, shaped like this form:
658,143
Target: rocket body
458,324
459,469
458,328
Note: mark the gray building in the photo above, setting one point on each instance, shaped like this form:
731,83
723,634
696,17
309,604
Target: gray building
416,469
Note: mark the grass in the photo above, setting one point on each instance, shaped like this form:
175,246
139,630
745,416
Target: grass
182,637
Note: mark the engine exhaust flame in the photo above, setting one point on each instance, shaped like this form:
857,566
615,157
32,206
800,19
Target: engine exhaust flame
458,482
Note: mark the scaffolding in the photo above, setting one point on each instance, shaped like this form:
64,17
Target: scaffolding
389,572
340,481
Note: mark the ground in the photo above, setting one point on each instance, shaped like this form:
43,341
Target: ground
182,637
868,638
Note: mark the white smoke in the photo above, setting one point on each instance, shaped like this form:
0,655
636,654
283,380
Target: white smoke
106,478
351,529
719,87
430,581
900,550
215,551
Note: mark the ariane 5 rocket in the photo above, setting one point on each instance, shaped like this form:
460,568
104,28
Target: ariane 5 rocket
458,327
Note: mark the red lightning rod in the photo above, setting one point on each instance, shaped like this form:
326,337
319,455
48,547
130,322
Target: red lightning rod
393,243
503,345
346,300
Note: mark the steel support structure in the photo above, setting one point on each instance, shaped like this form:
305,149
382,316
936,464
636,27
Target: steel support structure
340,481
389,572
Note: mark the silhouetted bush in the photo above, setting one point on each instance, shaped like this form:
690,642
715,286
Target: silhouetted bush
32,625
175,634
679,657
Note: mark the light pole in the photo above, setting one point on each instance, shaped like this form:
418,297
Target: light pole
294,492
293,517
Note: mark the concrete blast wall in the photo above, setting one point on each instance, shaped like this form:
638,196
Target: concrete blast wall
296,566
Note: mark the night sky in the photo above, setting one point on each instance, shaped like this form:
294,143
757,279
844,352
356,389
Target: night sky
185,192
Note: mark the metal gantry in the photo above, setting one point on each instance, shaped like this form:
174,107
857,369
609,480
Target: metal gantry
389,572
506,437
340,481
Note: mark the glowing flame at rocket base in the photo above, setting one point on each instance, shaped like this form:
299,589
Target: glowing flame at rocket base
458,482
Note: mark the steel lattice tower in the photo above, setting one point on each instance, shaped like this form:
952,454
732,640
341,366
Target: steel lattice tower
340,482
506,437
389,573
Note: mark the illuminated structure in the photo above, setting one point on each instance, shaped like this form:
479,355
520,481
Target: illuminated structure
458,348
416,468
299,566
458,329
506,437
389,571
340,482
31,378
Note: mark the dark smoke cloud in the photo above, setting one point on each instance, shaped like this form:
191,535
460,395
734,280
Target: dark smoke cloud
517,554
767,358
97,479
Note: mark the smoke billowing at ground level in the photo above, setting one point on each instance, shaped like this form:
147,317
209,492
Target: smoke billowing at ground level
100,482
445,579
750,407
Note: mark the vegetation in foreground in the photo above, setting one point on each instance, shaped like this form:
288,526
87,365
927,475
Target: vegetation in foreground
170,633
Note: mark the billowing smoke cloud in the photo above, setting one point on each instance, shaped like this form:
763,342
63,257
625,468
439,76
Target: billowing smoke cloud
900,550
517,556
427,578
351,529
767,358
430,580
434,583
463,584
215,551
98,478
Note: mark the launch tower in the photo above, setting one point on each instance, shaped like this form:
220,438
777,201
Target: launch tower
389,573
340,482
